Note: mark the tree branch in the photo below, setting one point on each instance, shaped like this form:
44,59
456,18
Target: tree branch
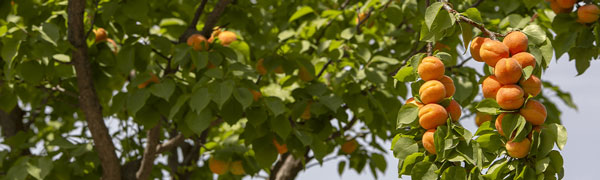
149,153
171,143
88,99
213,17
362,21
191,29
479,26
345,128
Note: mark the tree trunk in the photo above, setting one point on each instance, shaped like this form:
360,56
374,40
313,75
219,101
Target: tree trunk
288,169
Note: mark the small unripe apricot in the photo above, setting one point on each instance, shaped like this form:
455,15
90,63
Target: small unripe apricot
218,166
476,46
413,101
431,68
525,59
490,87
237,168
534,112
281,148
480,118
432,92
428,141
454,110
432,115
255,95
349,146
508,71
531,86
260,68
510,97
198,42
492,51
227,37
565,3
100,35
588,13
305,75
516,42
449,85
518,149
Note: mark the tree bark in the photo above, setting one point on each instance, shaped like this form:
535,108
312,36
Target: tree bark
11,122
88,98
149,153
213,17
289,169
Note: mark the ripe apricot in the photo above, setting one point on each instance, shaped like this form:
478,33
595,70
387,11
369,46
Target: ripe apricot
153,79
306,114
432,91
525,59
516,42
557,9
476,46
281,149
510,97
490,87
448,84
100,35
480,118
428,141
198,42
304,74
260,68
492,51
508,71
431,68
432,115
565,3
518,149
454,110
588,13
349,146
218,166
413,101
534,112
360,17
227,37
531,86
237,168
255,94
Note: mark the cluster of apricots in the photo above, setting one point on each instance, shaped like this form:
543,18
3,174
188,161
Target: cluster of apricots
221,167
588,13
507,86
200,43
436,88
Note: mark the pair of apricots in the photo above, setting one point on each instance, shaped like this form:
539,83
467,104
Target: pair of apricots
200,43
508,58
221,167
437,87
588,13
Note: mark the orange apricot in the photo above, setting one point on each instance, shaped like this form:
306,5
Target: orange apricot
198,42
260,68
525,59
557,9
534,112
476,46
413,101
218,166
255,94
480,118
508,71
237,168
281,148
492,51
588,13
153,79
518,149
349,146
432,115
510,97
428,141
432,91
565,3
448,84
531,86
516,42
454,110
360,17
227,37
490,87
100,35
431,68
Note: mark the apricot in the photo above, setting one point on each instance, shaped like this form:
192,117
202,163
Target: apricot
557,9
476,46
531,86
492,51
498,123
490,87
510,97
260,68
534,112
349,146
281,149
100,35
480,118
227,37
360,17
588,13
431,68
305,75
237,168
565,3
518,149
432,115
306,114
198,42
255,95
428,141
413,101
218,166
516,42
153,79
432,92
525,59
508,71
454,110
448,84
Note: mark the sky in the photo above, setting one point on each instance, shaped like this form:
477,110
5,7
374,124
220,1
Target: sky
579,154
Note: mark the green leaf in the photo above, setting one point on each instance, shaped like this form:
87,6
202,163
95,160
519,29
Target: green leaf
136,100
244,96
180,101
41,169
431,13
473,14
234,111
424,171
409,162
527,71
563,42
304,137
32,71
164,89
18,170
406,74
199,99
220,92
341,167
489,106
331,101
281,126
275,105
455,173
9,49
301,12
198,122
265,151
541,165
467,34
560,132
404,147
407,115
50,33
379,161
535,34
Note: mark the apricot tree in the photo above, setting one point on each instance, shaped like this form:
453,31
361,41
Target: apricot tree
227,89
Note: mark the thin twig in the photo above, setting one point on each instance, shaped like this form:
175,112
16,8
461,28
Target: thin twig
362,21
429,49
213,17
476,3
191,29
161,54
324,67
479,26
